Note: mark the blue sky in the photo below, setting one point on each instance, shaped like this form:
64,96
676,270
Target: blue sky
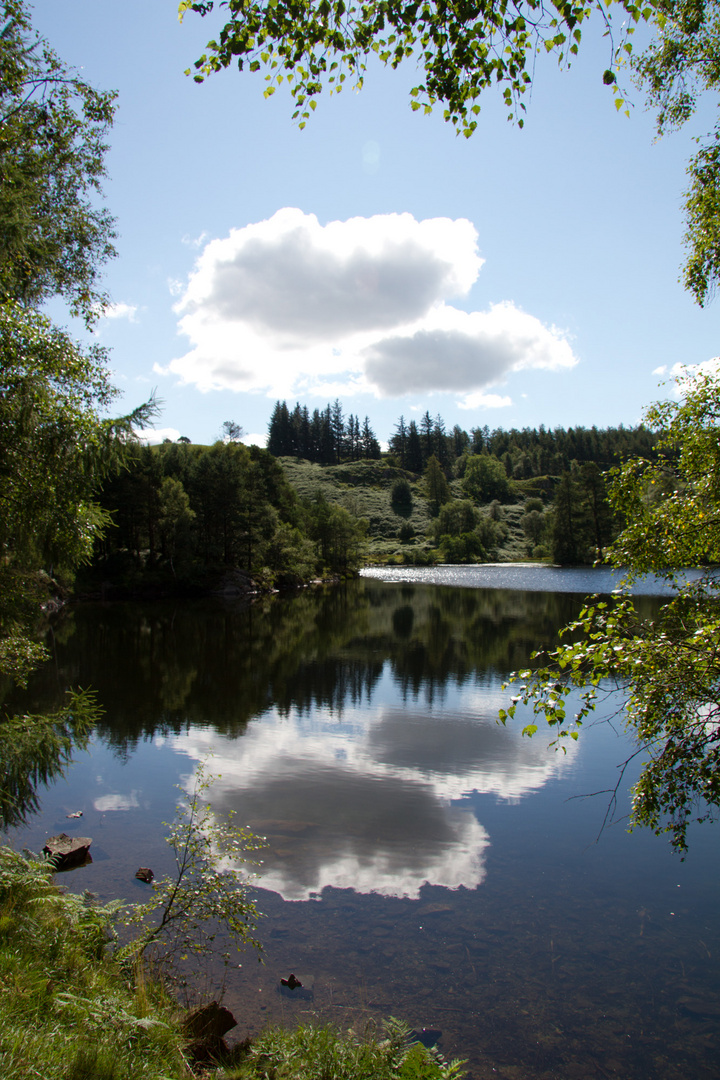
518,278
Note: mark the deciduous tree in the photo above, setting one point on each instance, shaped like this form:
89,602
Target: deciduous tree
460,51
667,669
231,431
55,445
485,479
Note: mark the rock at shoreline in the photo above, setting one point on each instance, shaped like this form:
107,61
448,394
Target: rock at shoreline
205,1028
68,851
213,1019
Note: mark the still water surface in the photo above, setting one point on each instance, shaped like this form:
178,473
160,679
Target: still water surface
422,860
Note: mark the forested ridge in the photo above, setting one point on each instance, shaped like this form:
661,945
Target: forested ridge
323,498
327,437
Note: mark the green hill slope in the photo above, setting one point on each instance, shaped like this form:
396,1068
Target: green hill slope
398,531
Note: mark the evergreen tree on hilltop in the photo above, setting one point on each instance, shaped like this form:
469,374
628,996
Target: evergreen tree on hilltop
369,444
337,428
414,459
398,442
279,438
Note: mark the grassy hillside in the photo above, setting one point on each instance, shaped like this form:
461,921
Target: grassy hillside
365,488
397,532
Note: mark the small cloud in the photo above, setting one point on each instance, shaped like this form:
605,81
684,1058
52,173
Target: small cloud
109,803
196,242
153,436
485,401
121,311
685,375
255,440
345,388
660,370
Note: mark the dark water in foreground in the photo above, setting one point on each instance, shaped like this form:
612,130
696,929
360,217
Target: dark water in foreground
423,861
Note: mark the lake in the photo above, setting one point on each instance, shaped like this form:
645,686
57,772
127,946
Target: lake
423,861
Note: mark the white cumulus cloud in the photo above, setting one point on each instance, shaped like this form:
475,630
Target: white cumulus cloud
461,352
121,311
256,438
288,306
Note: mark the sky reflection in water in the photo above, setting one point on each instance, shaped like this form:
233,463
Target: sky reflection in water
366,801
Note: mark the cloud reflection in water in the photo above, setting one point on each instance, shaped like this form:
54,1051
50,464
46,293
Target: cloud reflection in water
369,801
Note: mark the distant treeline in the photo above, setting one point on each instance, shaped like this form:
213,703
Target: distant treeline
327,437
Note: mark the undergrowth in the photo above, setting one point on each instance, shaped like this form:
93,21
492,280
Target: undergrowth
322,1053
67,1010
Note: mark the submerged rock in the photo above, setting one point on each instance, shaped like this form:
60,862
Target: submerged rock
68,851
296,987
429,1037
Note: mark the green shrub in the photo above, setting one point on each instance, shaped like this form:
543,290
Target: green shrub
468,547
534,504
401,493
485,479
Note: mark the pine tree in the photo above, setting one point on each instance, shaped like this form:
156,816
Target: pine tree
337,428
398,442
279,430
436,485
414,459
370,445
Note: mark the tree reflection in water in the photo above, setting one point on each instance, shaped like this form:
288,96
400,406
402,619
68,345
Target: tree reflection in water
422,860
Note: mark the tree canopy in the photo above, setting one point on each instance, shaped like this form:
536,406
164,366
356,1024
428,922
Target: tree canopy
681,64
667,669
54,234
54,448
56,444
462,50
